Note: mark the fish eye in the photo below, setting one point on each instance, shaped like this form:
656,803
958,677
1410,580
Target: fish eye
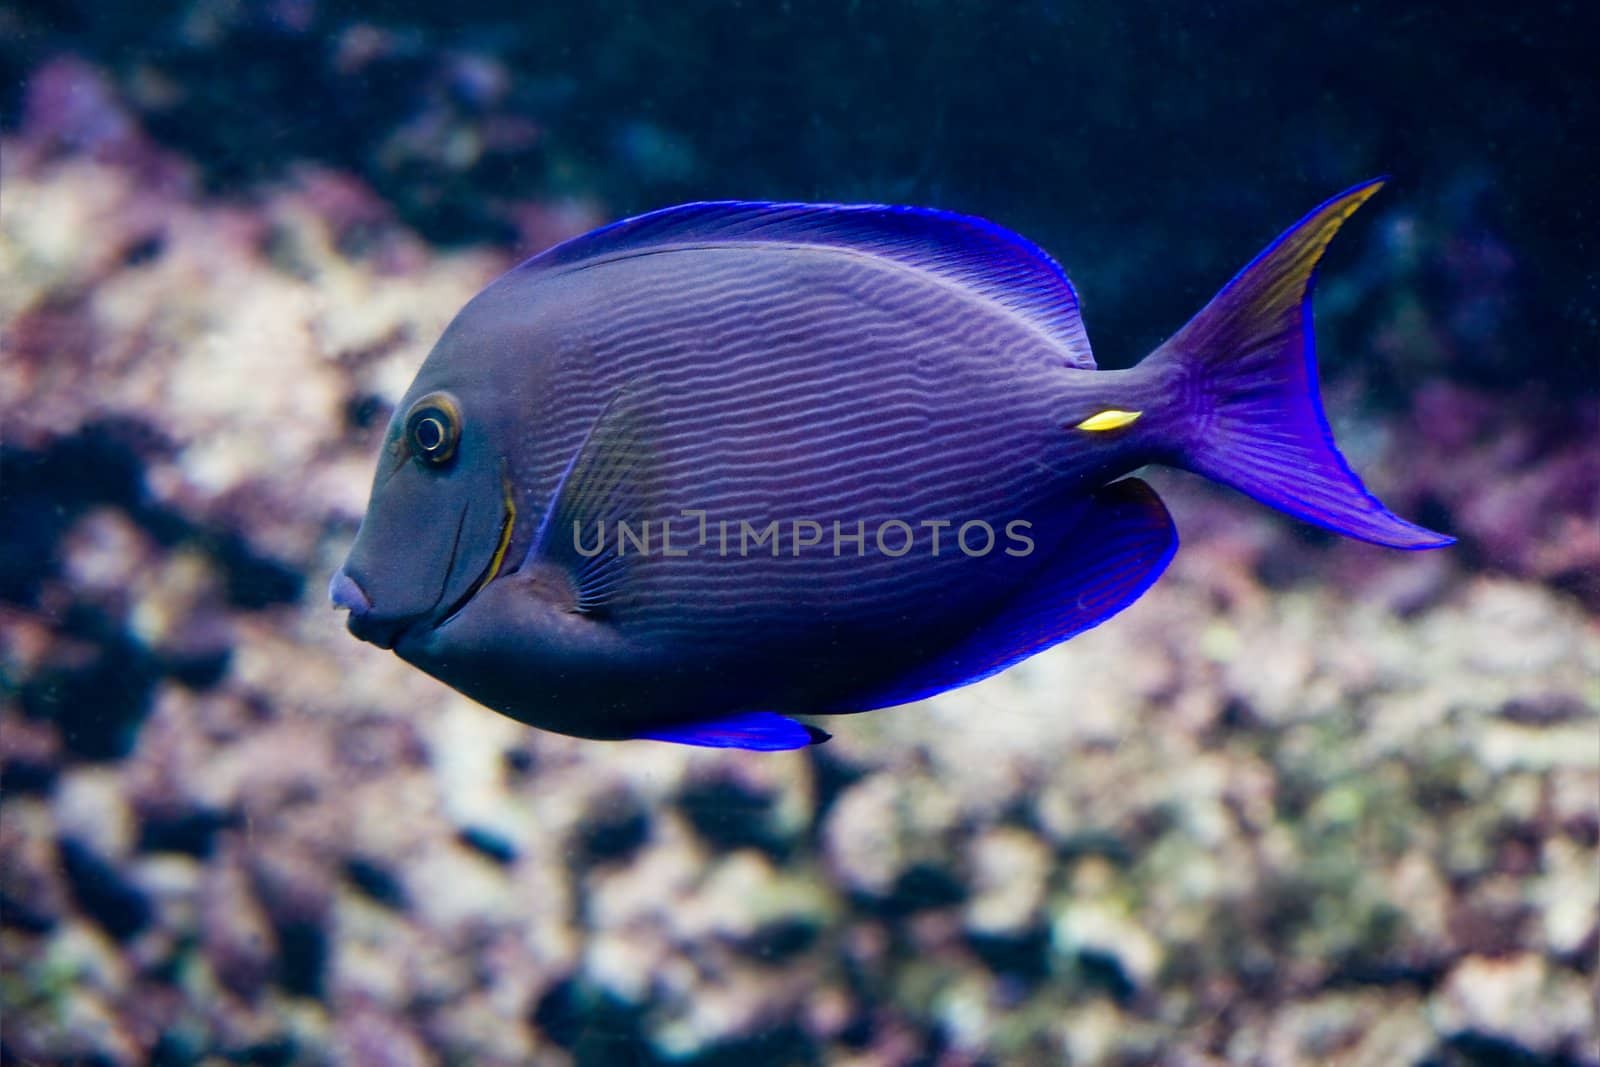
433,426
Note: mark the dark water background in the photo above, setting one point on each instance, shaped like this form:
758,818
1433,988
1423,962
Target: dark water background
1153,147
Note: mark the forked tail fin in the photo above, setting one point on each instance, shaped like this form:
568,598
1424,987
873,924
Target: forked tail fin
1249,370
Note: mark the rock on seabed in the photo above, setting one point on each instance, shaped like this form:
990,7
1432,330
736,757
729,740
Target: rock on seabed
1330,821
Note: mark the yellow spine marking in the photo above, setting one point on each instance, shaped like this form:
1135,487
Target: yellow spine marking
506,525
1108,420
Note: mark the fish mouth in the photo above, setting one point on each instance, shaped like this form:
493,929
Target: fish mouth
508,520
389,631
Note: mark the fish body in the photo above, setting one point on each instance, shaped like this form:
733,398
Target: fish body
710,467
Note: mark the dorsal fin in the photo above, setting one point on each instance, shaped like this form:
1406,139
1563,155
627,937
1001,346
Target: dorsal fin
975,254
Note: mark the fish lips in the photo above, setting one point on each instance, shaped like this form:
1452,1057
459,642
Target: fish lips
347,593
365,624
466,570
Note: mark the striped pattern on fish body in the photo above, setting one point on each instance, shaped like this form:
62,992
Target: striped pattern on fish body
809,386
718,368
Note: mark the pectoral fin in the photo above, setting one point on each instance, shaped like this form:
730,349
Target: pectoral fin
604,487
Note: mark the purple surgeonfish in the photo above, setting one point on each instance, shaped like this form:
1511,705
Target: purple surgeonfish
704,469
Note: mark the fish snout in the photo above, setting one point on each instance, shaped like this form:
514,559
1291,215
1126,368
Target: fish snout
364,622
346,593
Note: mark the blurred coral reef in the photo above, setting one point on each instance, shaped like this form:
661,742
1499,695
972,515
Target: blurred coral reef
1305,803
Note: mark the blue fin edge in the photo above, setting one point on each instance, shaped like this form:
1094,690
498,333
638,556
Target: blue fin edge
980,255
760,731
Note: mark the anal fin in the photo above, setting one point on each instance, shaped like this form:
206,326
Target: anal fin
1118,548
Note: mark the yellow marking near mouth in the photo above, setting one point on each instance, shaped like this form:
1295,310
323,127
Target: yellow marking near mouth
1108,420
506,525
